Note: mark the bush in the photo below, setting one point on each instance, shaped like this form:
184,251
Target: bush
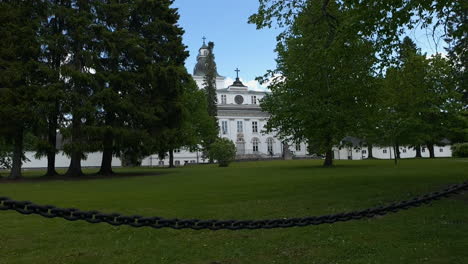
460,150
224,151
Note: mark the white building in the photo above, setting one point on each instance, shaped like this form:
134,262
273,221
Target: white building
242,121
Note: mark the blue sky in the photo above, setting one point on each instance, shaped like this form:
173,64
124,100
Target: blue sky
237,43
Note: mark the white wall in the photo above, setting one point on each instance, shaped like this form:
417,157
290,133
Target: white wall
379,152
63,161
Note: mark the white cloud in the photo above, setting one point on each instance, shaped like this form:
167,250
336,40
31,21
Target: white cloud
252,84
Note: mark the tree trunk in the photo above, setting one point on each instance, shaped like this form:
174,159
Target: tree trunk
397,150
396,156
74,170
328,158
370,155
15,172
171,158
106,164
418,151
430,147
52,139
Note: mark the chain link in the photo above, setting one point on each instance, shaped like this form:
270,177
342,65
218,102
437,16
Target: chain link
94,217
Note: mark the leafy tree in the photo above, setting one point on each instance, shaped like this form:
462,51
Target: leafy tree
325,78
382,20
223,150
20,73
403,98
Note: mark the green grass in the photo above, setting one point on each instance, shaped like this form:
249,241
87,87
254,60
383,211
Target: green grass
436,233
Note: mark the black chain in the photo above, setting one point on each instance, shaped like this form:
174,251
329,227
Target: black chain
72,214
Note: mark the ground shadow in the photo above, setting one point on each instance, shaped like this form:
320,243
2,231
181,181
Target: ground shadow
86,177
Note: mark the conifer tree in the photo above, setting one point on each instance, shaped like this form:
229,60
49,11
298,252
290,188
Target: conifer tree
80,84
51,95
20,73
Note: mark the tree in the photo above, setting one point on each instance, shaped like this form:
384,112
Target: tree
80,84
20,73
383,21
223,150
323,79
209,81
50,95
211,98
117,75
403,98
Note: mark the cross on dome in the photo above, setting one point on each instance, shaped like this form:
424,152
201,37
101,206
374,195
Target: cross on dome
237,71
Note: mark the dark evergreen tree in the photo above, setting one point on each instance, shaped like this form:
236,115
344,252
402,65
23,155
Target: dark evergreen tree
78,72
20,73
51,95
210,81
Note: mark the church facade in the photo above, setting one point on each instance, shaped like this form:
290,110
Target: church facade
240,119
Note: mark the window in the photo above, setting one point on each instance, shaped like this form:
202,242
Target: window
298,146
423,150
384,151
441,150
177,162
176,150
357,150
254,99
161,163
255,144
224,127
240,128
192,161
270,146
223,99
364,151
254,127
404,150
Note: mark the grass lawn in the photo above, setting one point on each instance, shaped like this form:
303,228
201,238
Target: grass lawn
436,233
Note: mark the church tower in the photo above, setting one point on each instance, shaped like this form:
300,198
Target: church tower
199,70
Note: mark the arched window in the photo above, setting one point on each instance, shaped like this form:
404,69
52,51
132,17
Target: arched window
255,143
270,146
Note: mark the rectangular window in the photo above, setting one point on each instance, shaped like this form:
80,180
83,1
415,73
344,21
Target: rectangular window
404,150
254,127
441,150
223,99
254,99
364,151
423,150
224,127
298,146
240,128
384,151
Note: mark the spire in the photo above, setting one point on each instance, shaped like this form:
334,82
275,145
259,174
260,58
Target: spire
238,82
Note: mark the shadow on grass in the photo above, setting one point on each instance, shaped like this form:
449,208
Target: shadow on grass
86,177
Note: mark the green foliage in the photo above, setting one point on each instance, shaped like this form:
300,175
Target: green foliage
323,83
460,150
381,20
209,81
223,150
